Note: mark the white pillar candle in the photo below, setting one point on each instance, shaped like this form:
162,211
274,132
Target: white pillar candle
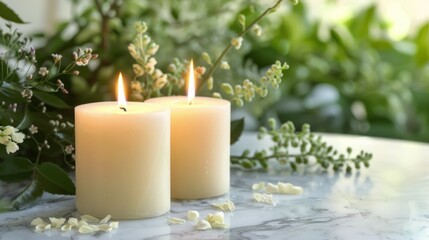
200,138
122,160
200,146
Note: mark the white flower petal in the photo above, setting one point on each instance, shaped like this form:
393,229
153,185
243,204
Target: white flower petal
271,188
114,225
193,215
105,219
260,186
264,198
203,225
288,188
225,206
37,221
86,229
176,220
89,218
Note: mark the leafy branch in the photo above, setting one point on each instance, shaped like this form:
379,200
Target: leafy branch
235,41
299,148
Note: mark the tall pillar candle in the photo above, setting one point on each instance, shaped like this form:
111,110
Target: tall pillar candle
122,160
200,146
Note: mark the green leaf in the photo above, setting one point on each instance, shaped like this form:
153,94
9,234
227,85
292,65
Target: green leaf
8,14
26,120
54,179
28,196
237,127
50,99
4,205
16,169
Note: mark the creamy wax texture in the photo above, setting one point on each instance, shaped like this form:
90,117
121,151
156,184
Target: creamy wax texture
200,146
122,160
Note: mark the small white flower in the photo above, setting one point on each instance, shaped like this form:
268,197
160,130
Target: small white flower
237,42
27,93
69,149
56,57
257,30
160,82
133,51
11,147
225,65
138,70
150,65
8,130
18,137
153,48
43,71
4,139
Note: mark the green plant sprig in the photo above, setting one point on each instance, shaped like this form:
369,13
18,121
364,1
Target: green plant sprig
299,148
231,44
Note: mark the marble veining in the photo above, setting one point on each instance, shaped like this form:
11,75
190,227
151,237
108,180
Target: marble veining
390,200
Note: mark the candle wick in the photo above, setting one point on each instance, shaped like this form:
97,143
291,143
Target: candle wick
123,108
190,102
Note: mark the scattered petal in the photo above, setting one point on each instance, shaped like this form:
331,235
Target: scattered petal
260,186
105,227
193,215
217,217
271,188
203,225
86,229
66,227
114,225
37,221
176,221
73,222
57,222
288,188
219,225
264,198
105,219
89,218
225,206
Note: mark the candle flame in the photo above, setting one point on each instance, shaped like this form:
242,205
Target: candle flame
122,103
191,83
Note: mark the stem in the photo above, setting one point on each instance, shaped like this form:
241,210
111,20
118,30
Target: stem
228,47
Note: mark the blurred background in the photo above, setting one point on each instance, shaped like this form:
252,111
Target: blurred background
356,67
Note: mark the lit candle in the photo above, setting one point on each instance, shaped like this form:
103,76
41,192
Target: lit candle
200,139
122,158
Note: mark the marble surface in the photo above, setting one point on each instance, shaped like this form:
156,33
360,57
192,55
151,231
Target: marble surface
390,200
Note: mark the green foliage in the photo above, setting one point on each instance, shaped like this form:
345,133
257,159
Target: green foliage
237,127
350,76
16,169
296,148
54,179
8,14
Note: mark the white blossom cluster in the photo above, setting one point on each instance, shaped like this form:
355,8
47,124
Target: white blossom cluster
248,90
142,50
10,137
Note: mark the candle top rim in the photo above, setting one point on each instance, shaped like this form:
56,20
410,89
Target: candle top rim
182,101
109,107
